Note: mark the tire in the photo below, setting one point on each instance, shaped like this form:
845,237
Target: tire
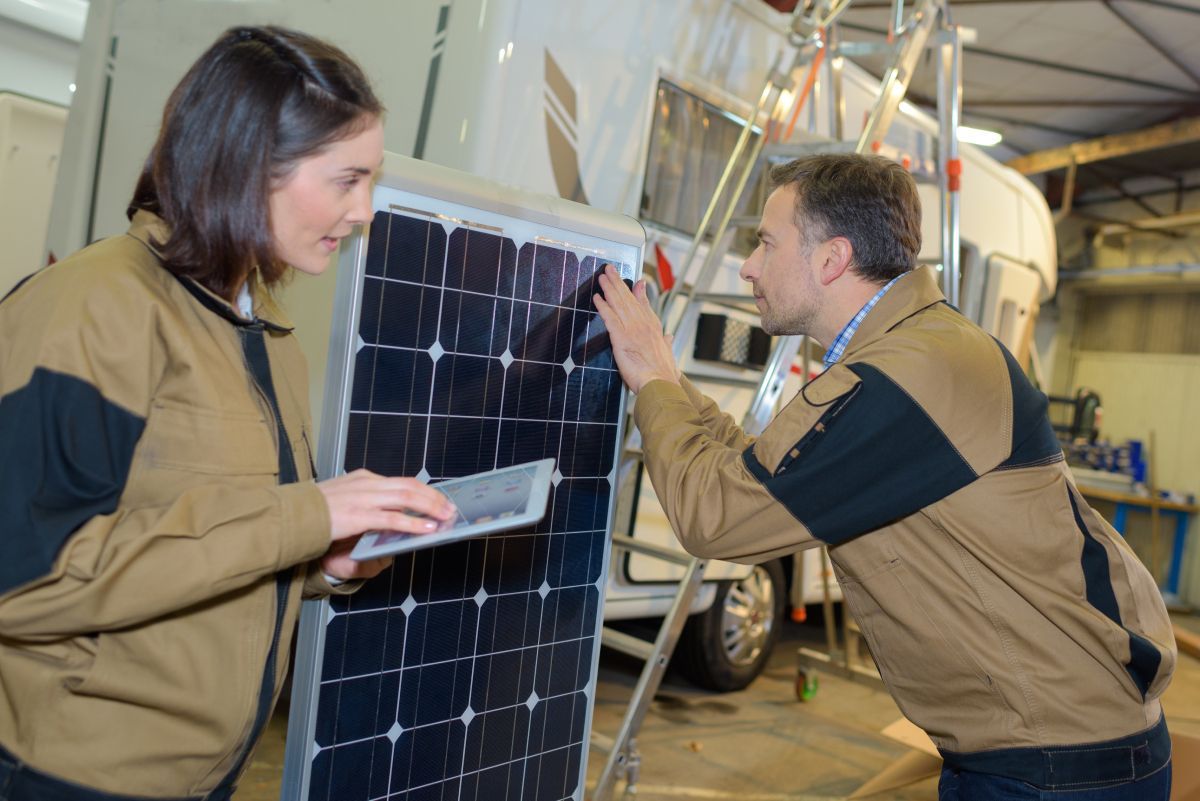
727,647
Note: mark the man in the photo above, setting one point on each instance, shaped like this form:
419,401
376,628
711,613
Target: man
1006,617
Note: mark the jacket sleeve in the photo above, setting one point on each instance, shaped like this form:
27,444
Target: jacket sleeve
78,368
852,452
722,425
317,585
717,507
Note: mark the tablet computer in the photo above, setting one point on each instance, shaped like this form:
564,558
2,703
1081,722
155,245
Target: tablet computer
497,500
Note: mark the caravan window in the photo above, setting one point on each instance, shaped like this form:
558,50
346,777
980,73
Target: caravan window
690,143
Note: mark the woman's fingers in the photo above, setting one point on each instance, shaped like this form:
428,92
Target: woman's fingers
363,501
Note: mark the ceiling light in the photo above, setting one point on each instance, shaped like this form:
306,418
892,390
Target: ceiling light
978,136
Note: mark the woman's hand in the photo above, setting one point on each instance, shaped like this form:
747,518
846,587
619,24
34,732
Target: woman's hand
337,564
364,501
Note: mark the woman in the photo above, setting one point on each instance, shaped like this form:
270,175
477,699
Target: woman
160,517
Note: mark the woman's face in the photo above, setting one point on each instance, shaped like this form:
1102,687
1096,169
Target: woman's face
323,198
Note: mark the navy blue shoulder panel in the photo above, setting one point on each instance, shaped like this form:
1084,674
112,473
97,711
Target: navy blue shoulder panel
65,452
872,459
1033,439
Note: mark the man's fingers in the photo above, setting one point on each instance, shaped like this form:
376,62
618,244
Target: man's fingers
616,293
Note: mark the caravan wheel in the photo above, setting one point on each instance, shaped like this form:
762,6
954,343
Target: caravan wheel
725,648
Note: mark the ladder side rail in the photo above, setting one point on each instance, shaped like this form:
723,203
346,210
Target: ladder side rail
898,76
770,388
949,78
648,682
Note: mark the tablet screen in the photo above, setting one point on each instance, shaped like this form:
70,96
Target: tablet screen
486,502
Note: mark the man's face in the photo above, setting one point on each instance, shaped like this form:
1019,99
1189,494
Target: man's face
783,270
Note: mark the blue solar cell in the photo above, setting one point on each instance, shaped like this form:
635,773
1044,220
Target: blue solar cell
417,327
462,671
391,445
406,373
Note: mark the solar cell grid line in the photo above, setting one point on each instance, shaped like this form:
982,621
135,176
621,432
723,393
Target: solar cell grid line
466,671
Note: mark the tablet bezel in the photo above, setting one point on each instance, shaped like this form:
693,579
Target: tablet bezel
370,547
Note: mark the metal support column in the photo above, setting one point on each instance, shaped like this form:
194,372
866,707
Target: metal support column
949,71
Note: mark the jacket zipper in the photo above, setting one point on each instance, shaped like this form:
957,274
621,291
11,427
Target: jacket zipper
817,430
283,578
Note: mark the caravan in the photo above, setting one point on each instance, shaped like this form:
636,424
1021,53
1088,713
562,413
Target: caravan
630,106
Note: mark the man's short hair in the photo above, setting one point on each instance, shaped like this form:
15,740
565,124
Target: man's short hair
869,200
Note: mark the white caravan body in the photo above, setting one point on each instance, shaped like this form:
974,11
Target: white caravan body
555,97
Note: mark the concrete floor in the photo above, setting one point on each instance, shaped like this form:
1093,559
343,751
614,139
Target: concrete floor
759,744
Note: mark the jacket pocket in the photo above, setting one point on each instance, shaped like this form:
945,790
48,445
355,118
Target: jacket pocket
200,440
933,678
185,447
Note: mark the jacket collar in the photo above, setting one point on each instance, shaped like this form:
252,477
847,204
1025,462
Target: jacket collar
913,292
151,231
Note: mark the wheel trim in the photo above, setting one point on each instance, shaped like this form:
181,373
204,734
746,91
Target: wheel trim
748,617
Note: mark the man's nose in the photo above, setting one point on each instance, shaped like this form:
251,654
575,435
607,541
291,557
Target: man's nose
749,269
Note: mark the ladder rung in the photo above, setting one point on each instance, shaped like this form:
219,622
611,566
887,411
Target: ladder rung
650,549
626,643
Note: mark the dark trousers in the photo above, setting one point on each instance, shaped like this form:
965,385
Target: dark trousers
963,785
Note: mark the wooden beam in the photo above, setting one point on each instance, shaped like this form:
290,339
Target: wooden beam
1181,220
1169,134
1187,642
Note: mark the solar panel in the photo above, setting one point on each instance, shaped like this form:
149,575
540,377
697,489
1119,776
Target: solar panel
465,339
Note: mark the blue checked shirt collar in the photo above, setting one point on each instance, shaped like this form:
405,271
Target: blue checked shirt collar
842,340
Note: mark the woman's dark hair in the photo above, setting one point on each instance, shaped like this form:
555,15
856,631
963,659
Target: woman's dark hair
870,200
258,101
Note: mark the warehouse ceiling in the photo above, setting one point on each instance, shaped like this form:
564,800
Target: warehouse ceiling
1049,73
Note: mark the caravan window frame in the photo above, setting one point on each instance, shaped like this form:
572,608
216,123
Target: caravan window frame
723,106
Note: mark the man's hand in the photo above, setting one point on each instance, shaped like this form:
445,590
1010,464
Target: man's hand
642,352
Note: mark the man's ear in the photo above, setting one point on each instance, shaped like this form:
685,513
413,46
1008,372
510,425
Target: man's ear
839,254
